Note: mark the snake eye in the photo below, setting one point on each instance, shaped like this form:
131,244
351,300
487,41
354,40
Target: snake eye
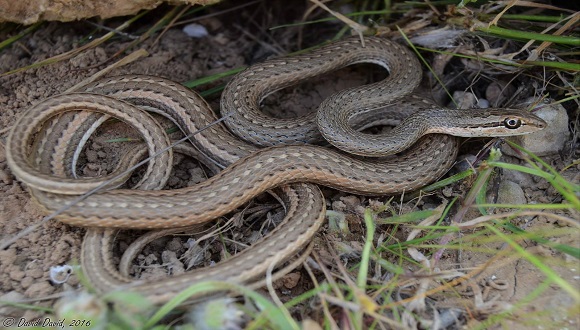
512,123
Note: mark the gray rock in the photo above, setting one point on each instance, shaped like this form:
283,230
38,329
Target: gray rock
482,103
510,193
498,92
524,180
548,141
465,100
464,162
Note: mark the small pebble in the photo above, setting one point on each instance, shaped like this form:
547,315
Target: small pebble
464,100
482,103
524,180
5,177
195,31
464,163
510,193
291,280
498,92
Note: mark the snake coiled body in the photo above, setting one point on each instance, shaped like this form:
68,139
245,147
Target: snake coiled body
249,171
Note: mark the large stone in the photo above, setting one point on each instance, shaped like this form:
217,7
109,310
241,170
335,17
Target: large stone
32,11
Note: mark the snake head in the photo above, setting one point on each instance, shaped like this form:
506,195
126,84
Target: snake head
518,122
498,122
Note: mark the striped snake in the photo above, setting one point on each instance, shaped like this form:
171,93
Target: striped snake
44,139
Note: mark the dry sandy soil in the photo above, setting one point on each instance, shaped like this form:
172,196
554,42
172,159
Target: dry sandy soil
25,264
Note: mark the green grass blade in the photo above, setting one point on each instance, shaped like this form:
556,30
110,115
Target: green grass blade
21,34
208,79
366,253
524,35
406,218
529,206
